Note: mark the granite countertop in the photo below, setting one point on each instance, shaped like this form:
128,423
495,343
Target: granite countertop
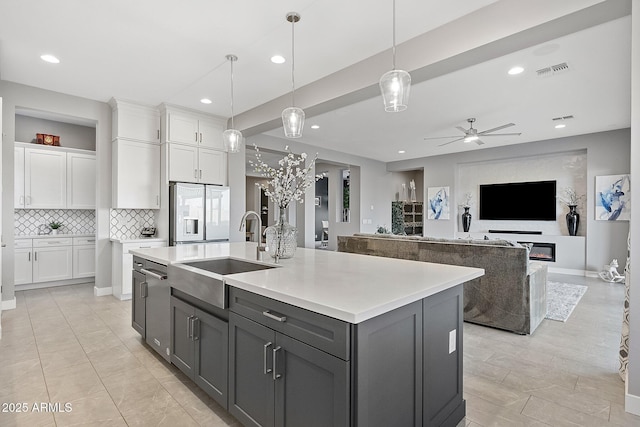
345,286
52,236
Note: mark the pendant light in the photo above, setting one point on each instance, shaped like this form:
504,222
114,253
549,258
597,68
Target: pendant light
395,84
232,138
293,117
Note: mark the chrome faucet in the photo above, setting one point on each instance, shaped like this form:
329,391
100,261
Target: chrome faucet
260,249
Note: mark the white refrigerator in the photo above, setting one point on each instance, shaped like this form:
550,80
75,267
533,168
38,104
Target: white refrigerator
198,213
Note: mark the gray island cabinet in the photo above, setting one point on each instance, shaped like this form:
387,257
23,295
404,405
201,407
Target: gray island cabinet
298,345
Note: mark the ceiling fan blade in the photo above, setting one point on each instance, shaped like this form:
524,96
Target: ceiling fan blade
479,142
495,129
447,143
461,129
440,137
503,134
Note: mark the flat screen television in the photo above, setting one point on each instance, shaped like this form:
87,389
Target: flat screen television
519,201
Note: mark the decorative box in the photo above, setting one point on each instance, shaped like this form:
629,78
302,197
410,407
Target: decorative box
46,139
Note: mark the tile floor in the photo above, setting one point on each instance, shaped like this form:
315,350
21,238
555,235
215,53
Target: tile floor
63,345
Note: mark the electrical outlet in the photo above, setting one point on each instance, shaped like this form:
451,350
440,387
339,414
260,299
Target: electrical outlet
452,341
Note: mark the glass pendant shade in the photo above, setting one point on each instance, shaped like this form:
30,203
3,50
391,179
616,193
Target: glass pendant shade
395,86
232,139
293,122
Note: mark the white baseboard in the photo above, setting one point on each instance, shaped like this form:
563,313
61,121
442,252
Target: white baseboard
9,304
631,401
100,292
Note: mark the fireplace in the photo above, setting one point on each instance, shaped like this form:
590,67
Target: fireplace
541,251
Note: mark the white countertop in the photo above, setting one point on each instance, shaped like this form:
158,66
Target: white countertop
51,236
349,287
139,240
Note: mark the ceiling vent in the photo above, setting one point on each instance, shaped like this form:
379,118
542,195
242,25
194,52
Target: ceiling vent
553,70
562,118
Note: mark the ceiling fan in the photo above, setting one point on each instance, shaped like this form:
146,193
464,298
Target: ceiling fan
472,134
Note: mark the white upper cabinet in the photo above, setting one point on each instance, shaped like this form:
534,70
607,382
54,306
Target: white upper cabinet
53,177
134,122
213,166
81,181
136,175
194,129
45,185
18,182
136,156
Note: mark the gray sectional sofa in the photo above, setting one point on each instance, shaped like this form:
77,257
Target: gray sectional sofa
512,293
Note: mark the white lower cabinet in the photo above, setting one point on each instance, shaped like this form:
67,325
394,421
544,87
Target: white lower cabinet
52,263
84,257
122,265
51,259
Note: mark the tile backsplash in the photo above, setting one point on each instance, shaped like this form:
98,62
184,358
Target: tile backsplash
74,221
127,223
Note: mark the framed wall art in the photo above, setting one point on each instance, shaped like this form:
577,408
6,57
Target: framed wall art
613,197
438,203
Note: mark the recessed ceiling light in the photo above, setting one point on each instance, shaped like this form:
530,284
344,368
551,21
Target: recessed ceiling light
50,58
516,70
206,101
560,126
277,59
401,151
315,127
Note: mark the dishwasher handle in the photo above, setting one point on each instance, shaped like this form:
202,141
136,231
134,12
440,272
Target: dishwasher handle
155,274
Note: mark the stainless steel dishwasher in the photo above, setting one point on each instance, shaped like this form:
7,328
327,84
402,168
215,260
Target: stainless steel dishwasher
158,308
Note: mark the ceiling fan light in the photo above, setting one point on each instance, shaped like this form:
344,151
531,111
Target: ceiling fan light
395,86
293,122
470,138
232,139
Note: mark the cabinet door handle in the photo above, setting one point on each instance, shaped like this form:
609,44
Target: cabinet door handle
158,133
195,328
276,375
157,200
35,256
196,136
189,330
195,173
21,201
265,366
29,256
268,314
143,290
28,200
200,173
138,264
200,137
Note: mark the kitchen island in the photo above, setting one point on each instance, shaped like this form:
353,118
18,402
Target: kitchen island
324,338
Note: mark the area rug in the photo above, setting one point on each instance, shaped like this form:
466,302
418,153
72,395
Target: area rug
562,298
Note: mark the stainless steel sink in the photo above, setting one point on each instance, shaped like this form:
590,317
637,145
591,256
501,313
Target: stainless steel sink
205,279
227,266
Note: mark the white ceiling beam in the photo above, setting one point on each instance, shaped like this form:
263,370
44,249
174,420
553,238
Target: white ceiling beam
496,30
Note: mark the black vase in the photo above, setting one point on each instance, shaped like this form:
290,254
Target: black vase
573,220
466,219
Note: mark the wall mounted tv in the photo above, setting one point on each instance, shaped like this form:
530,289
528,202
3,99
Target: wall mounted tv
519,201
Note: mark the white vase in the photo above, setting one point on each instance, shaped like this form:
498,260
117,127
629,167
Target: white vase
54,231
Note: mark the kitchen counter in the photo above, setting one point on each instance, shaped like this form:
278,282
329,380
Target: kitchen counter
348,287
52,236
138,240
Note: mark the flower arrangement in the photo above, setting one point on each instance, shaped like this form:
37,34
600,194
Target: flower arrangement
569,197
287,183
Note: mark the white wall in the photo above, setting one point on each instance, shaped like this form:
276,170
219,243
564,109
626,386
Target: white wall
632,401
98,113
607,154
